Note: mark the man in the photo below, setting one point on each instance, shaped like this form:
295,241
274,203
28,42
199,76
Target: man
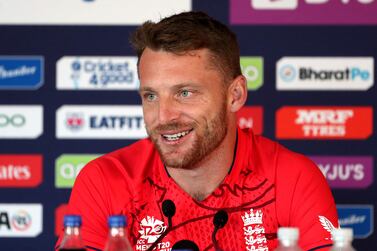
191,87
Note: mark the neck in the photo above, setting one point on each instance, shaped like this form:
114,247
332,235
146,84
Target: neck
207,175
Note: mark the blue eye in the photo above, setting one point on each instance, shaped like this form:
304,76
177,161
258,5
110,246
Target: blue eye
150,96
185,93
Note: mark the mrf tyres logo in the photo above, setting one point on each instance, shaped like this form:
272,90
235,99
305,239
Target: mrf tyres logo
325,73
346,171
100,122
20,220
97,73
321,122
357,217
21,72
20,170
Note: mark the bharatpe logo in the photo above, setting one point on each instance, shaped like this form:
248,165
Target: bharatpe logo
68,166
293,12
252,69
20,170
346,171
321,122
97,73
251,117
21,121
20,220
100,122
357,217
23,72
325,73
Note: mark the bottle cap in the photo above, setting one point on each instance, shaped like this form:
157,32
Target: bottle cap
342,234
72,220
288,233
117,221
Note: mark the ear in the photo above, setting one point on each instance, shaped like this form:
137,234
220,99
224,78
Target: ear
237,93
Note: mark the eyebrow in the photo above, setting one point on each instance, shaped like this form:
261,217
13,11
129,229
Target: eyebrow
175,87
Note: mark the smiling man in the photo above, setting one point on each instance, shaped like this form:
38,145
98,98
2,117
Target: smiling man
198,177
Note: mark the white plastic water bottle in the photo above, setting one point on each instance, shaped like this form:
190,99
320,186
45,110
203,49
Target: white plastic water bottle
288,238
342,238
117,239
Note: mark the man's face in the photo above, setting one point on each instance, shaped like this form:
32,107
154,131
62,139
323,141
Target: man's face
184,104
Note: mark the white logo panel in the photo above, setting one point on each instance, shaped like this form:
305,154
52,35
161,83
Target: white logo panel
84,12
325,73
21,121
274,5
97,73
20,220
100,122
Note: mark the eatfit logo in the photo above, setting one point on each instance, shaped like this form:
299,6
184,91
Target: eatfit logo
100,122
97,73
325,73
21,72
303,12
321,122
20,170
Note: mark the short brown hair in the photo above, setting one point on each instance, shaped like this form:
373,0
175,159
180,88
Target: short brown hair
189,31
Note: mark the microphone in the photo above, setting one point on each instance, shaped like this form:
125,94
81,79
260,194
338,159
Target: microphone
219,221
186,245
168,209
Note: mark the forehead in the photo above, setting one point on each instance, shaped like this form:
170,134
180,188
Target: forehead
157,67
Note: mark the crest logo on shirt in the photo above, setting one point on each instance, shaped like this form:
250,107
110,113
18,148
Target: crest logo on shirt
151,229
254,230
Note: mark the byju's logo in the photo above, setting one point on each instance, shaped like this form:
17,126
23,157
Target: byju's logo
357,217
325,73
21,121
251,117
346,171
23,72
303,12
20,170
320,122
20,220
100,122
97,73
252,69
68,166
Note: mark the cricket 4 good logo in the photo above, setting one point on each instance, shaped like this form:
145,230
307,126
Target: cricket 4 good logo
252,69
20,220
357,217
251,117
59,218
322,122
346,171
21,72
97,73
100,122
88,12
325,73
150,229
323,12
68,166
21,121
20,170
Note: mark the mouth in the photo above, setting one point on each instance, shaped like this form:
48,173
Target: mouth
175,137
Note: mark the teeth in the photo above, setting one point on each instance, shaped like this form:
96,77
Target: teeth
176,136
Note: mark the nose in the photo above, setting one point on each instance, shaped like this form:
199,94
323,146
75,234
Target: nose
168,110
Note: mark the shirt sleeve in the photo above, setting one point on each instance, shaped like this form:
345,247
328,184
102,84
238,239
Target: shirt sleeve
304,200
96,194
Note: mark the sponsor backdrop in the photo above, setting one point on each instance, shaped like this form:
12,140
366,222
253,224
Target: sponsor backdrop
68,93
